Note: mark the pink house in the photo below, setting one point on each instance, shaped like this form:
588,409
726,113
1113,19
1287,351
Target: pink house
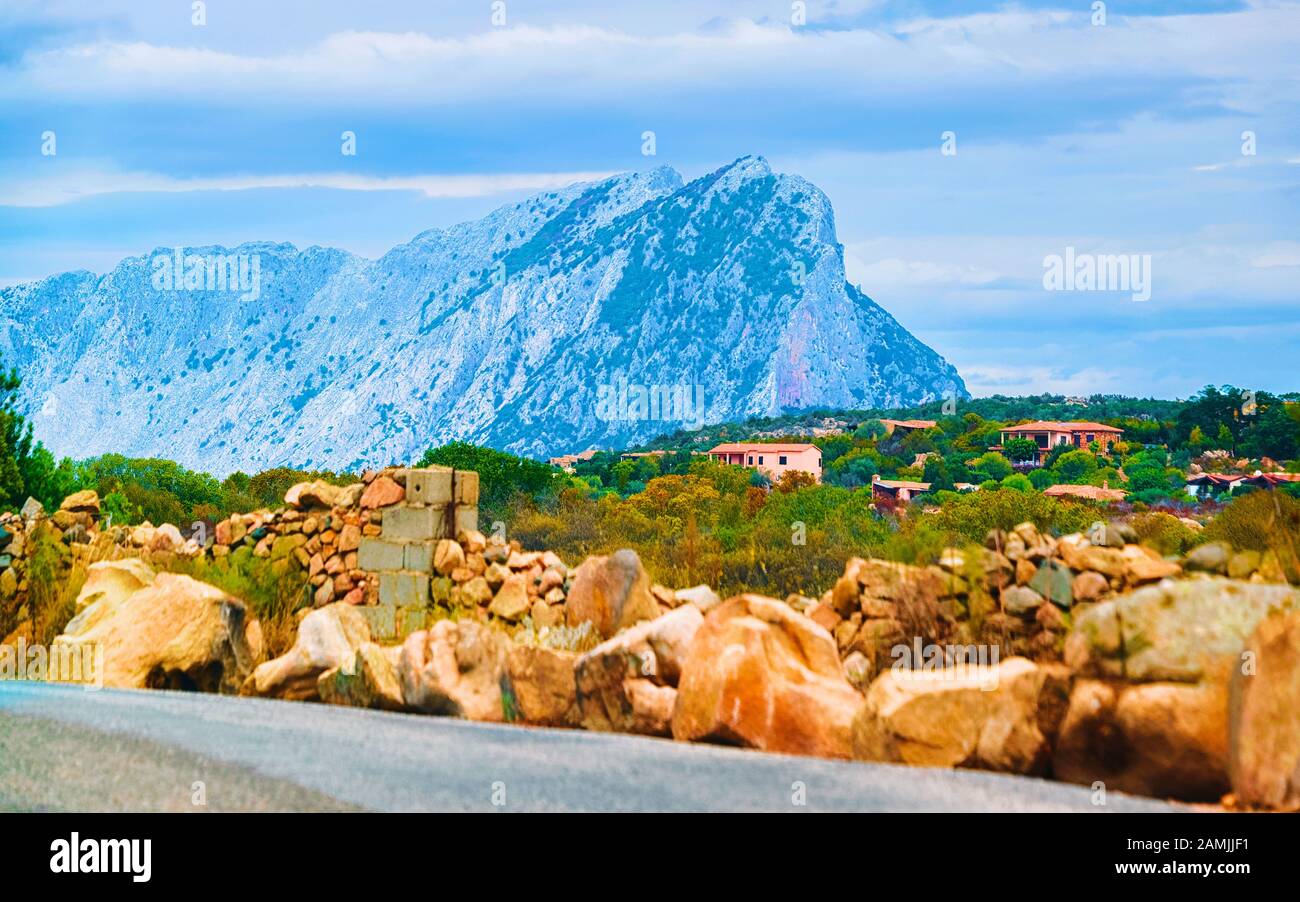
774,460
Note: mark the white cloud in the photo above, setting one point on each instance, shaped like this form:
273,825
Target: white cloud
1015,379
77,185
1247,56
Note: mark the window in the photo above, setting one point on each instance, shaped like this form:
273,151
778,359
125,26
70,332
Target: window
760,460
751,460
1090,438
781,460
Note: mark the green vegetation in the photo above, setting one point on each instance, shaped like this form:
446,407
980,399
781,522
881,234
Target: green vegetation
274,591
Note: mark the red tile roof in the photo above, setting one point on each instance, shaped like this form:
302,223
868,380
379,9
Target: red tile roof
1061,426
743,448
1091,492
902,484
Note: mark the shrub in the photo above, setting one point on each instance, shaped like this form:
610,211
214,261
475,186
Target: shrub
1163,532
53,583
1258,521
274,592
972,515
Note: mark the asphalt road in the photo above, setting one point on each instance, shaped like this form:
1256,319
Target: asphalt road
64,748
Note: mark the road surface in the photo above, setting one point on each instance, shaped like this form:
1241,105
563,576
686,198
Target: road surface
64,748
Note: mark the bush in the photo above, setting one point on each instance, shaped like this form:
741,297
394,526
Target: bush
1258,521
1163,532
274,592
972,515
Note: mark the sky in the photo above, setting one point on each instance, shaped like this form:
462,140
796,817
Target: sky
962,145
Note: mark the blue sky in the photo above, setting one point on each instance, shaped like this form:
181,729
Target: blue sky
1115,138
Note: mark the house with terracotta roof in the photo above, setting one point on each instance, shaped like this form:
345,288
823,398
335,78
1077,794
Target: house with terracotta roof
771,458
1048,434
1270,480
896,489
908,425
566,461
1086,492
1204,484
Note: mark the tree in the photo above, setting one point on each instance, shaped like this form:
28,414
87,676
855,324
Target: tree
1020,449
500,475
936,473
1075,466
991,466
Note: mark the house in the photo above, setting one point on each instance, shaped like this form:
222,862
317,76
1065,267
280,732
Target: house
566,461
1086,492
1262,480
774,459
896,489
1203,484
637,455
908,425
1048,434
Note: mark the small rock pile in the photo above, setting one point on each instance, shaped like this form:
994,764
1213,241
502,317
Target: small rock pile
74,526
1021,586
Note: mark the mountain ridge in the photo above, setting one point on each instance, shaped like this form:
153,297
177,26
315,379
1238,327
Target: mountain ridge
502,331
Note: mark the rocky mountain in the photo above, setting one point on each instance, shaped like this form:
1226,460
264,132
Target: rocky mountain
602,314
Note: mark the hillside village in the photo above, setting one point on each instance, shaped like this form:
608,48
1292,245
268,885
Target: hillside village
1212,446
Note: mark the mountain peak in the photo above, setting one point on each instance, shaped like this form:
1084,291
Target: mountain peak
727,292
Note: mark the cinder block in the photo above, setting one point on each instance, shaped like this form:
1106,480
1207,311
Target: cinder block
410,620
466,492
404,589
414,524
377,554
419,556
466,518
429,486
382,620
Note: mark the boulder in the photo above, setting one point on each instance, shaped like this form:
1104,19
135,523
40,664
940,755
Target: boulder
543,685
1089,587
1183,630
369,680
761,675
309,495
166,538
173,633
1143,565
1000,717
702,596
31,509
382,492
1053,581
83,502
328,637
456,668
1165,739
1080,554
511,601
610,677
448,556
1209,558
1020,600
1152,712
113,580
1264,717
350,495
611,592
